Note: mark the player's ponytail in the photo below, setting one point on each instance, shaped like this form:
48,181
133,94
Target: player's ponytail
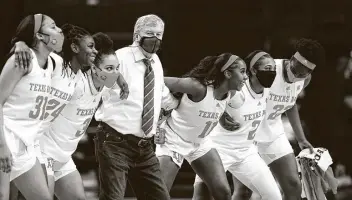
104,45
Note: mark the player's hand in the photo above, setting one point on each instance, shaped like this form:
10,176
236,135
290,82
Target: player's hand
124,87
159,137
23,55
164,114
6,161
228,123
304,144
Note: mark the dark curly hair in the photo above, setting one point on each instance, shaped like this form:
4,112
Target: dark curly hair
311,50
73,34
104,45
250,56
208,71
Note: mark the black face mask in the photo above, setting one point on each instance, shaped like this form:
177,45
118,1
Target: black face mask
150,44
266,78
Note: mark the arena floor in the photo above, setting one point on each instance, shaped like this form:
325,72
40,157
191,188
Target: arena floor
91,186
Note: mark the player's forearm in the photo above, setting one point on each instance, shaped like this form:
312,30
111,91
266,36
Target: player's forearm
295,121
2,135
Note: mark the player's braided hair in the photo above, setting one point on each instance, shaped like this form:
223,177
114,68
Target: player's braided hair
104,45
250,56
311,50
73,34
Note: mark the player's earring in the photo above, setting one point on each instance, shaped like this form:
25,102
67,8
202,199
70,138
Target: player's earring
74,48
227,74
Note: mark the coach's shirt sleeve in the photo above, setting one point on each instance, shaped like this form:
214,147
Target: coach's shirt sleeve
125,116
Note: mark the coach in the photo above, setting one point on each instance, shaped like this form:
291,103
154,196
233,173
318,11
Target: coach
124,143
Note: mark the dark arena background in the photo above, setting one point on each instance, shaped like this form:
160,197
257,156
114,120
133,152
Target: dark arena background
195,29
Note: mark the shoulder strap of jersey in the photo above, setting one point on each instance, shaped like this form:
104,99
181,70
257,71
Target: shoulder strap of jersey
53,61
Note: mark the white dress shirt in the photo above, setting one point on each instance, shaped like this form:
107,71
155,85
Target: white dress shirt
125,116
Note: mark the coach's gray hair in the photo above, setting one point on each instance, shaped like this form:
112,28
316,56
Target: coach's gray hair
147,20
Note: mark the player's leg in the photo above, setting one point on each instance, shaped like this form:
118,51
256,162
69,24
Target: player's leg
4,186
201,191
170,163
280,158
27,173
32,184
255,174
47,166
68,182
210,169
240,191
285,171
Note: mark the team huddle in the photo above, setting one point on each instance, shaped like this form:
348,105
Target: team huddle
223,115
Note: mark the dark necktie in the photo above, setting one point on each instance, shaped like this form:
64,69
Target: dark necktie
148,103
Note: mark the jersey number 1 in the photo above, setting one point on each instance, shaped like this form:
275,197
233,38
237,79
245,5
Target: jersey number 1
210,125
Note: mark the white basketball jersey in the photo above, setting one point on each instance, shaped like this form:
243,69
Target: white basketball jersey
248,109
25,109
193,121
63,136
63,84
282,97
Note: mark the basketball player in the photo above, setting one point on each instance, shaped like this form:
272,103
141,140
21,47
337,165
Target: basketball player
25,106
293,76
78,52
60,142
65,77
235,147
64,80
205,94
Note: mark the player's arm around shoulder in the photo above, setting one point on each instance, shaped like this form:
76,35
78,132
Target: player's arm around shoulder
186,85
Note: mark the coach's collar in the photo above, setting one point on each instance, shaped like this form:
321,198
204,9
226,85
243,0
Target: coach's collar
138,55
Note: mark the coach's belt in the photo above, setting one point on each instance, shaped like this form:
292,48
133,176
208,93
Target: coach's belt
112,133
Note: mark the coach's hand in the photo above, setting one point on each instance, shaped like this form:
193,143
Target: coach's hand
6,161
124,87
304,144
228,123
23,55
